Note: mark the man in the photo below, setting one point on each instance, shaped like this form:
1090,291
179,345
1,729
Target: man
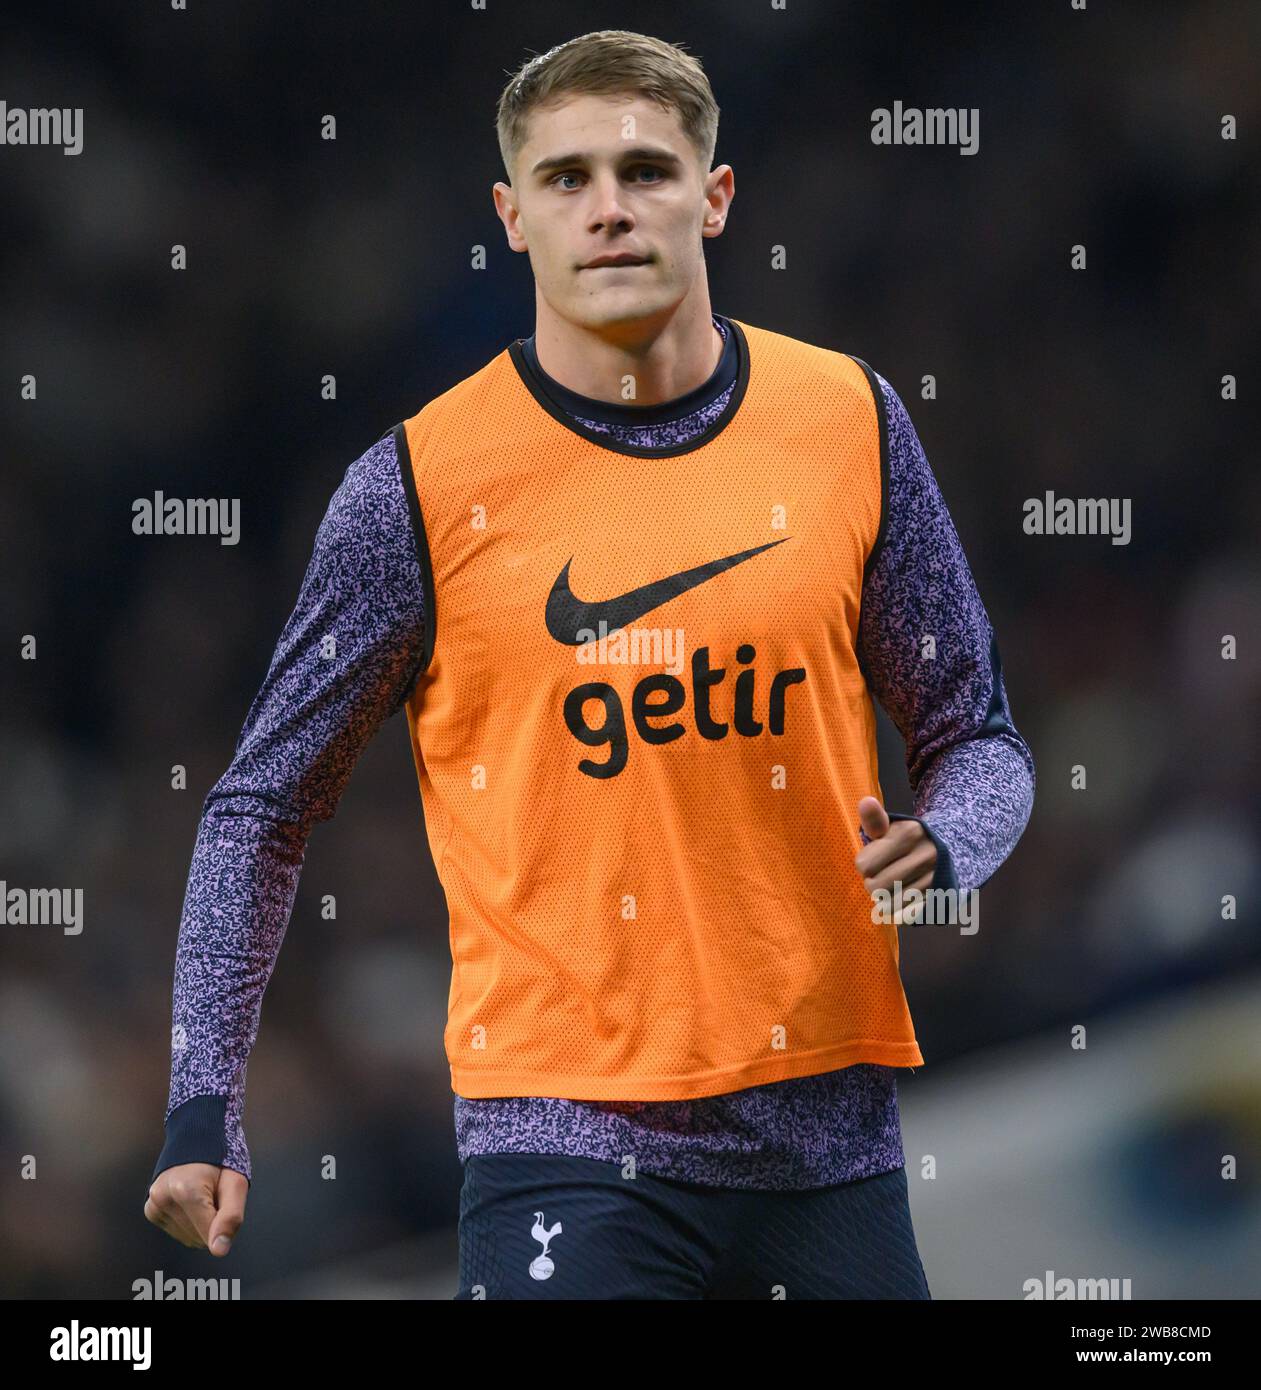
635,583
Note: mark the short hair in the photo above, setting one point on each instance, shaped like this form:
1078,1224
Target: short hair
604,63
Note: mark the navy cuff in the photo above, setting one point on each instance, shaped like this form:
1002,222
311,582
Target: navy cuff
194,1133
944,875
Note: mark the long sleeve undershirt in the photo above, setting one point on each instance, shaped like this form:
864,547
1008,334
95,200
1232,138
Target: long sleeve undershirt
970,771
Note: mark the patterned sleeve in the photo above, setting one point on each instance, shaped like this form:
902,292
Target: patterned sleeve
346,659
971,773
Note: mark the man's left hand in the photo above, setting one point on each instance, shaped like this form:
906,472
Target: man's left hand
898,850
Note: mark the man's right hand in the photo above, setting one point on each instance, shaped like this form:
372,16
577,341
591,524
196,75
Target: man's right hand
199,1205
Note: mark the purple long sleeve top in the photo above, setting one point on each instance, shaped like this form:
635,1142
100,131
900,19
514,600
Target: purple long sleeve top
971,774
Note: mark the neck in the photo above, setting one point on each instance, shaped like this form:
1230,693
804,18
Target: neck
665,357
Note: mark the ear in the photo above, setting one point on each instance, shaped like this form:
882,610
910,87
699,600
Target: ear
509,214
720,188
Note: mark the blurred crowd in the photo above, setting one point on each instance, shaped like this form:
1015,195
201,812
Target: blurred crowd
353,257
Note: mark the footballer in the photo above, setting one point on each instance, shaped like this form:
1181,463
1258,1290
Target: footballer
635,584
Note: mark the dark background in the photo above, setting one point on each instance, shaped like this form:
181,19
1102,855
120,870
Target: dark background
352,257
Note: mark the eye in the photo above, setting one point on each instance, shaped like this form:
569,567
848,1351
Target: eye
638,169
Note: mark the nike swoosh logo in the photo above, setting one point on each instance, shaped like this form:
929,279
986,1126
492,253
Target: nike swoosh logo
567,615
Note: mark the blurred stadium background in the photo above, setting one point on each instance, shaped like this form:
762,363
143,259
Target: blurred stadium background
352,257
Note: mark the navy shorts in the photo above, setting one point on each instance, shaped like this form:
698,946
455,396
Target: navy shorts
552,1226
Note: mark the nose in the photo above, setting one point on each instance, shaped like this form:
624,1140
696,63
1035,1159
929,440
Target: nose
608,211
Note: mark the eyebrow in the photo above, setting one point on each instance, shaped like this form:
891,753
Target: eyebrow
640,152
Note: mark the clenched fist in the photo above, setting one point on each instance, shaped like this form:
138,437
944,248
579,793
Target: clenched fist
200,1205
898,850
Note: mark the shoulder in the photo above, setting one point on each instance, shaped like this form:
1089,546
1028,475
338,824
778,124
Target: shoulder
914,510
457,409
899,439
367,529
370,487
817,376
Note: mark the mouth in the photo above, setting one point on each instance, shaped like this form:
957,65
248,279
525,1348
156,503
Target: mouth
615,262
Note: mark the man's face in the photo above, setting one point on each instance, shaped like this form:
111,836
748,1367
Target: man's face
611,176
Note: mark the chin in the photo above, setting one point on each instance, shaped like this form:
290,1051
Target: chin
616,305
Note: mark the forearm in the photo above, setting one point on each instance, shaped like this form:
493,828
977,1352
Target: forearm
976,797
345,661
930,656
241,888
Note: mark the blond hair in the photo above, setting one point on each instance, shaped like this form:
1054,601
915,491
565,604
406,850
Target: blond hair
604,63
